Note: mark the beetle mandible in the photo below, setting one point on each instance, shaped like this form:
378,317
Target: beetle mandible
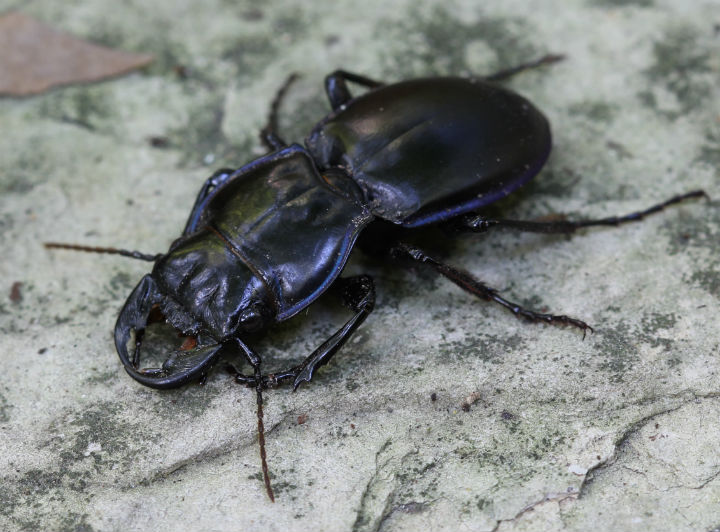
264,241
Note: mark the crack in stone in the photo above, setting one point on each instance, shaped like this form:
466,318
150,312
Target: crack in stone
386,512
554,497
699,486
363,521
391,507
360,518
632,429
619,444
411,507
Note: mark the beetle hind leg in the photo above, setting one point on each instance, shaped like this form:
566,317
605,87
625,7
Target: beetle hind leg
480,289
473,223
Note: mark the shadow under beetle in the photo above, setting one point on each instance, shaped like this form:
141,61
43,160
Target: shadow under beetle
264,241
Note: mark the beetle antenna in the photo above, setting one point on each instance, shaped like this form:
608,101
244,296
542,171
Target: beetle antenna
261,433
111,251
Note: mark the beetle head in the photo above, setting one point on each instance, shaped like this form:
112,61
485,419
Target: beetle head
203,291
206,287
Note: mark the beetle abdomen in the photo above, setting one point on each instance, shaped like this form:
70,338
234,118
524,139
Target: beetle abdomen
415,147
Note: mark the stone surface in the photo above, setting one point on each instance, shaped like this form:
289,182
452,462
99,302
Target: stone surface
619,431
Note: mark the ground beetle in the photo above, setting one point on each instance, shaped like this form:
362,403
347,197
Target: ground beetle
264,241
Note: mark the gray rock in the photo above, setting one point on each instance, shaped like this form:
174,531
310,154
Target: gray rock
616,432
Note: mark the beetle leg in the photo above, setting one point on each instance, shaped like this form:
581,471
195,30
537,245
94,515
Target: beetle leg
358,293
477,224
507,73
479,289
339,94
337,89
268,134
218,178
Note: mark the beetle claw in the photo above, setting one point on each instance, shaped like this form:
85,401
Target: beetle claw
180,366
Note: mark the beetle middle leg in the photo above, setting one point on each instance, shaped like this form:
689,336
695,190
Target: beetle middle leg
480,289
337,89
339,94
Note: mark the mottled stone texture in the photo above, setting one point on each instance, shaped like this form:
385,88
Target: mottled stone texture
616,432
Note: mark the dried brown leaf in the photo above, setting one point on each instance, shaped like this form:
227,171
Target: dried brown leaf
36,57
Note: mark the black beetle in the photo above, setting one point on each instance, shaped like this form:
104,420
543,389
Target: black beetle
264,241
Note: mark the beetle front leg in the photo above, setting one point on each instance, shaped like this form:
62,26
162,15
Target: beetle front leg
474,223
480,289
358,294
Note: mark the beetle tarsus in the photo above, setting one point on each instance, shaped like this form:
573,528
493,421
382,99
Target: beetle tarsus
271,380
